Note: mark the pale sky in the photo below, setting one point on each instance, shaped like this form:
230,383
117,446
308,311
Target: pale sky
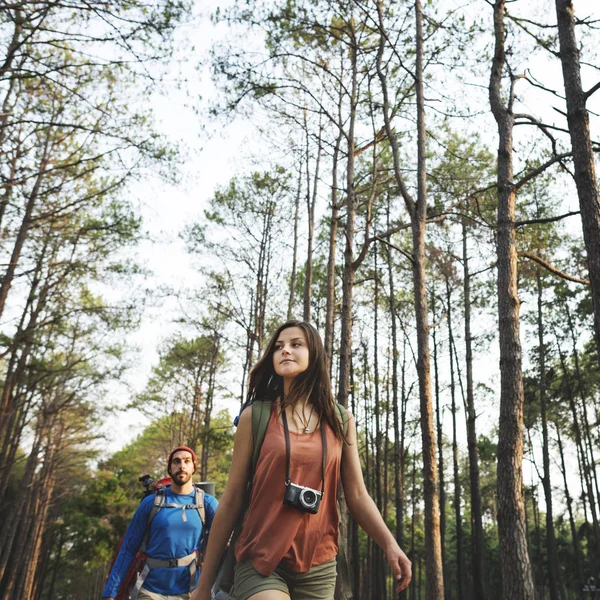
208,161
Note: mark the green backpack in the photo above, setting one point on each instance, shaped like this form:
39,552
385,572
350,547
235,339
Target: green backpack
261,413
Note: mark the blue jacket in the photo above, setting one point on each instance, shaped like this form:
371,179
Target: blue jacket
170,537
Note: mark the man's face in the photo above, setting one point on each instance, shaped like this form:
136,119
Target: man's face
182,467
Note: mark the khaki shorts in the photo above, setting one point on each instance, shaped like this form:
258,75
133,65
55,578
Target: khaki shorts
146,595
317,584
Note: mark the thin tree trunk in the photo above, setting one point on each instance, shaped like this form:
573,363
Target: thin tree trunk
440,444
60,544
586,482
418,214
293,275
403,451
349,273
477,543
553,563
398,449
311,200
26,223
333,227
455,468
415,584
574,534
379,570
434,584
587,445
517,578
345,353
583,155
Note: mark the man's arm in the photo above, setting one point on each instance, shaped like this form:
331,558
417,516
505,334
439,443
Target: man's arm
131,544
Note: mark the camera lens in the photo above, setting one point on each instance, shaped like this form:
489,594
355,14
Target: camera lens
308,498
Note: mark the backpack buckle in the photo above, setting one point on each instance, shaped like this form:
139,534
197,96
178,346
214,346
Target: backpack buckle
173,562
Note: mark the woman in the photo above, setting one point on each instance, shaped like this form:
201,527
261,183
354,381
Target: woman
288,544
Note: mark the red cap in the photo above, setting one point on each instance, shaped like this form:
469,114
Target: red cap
179,449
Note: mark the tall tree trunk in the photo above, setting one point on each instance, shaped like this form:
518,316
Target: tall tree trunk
477,542
588,446
403,449
553,563
569,499
434,585
440,443
368,457
418,214
60,544
311,200
398,442
345,353
26,223
292,295
583,156
517,578
379,570
210,394
586,480
537,533
415,585
455,468
349,273
333,228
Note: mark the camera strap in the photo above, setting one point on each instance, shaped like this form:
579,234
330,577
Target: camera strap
288,451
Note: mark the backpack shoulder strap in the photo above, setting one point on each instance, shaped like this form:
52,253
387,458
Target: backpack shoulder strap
344,418
199,502
159,501
201,508
261,412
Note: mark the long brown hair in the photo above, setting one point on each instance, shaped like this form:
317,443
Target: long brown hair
314,384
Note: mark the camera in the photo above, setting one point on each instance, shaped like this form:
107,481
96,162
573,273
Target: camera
302,498
147,482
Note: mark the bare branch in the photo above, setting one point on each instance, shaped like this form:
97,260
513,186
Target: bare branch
552,269
547,220
591,91
401,250
532,174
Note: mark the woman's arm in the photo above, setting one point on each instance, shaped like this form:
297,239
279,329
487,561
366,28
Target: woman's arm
230,506
364,510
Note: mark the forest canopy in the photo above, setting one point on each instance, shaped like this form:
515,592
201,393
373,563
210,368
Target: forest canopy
416,179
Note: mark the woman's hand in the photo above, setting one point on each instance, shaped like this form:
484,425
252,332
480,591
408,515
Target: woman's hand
401,567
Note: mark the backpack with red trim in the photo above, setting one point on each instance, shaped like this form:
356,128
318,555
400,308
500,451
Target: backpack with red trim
126,590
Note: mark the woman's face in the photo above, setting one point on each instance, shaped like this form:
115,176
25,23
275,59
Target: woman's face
290,357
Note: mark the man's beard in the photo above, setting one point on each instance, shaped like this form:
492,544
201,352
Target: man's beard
182,478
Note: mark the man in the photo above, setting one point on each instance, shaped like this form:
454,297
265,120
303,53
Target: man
168,528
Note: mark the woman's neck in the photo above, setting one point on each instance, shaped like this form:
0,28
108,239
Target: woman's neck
298,402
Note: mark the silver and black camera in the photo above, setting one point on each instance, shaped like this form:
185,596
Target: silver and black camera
302,498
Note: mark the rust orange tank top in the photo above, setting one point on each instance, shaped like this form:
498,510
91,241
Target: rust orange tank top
273,533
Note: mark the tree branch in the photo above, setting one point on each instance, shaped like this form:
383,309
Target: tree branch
552,269
547,220
591,91
401,250
557,158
